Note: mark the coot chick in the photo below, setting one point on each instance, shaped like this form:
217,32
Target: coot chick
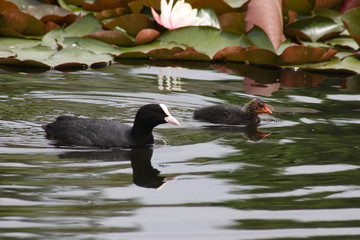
233,115
107,133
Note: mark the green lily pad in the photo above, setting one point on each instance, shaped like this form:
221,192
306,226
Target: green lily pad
93,45
260,38
17,43
84,26
208,40
351,22
314,28
76,56
344,42
37,53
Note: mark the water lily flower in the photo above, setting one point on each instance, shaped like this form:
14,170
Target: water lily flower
181,15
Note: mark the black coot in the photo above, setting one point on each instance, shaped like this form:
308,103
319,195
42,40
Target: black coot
107,133
231,114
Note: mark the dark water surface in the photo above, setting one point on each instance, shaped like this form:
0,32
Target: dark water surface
296,177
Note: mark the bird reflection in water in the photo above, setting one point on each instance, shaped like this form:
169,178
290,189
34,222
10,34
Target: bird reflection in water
144,174
251,132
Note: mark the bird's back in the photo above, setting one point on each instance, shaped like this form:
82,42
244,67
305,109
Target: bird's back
227,114
89,132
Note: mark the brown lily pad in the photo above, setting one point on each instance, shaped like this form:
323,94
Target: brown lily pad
132,23
146,36
302,54
23,23
111,37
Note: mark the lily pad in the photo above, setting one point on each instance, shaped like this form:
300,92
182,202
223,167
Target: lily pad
234,21
76,56
260,38
296,55
208,40
22,23
351,22
5,5
84,26
146,36
313,29
132,23
111,37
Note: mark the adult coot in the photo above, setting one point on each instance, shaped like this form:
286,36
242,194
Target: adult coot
231,114
107,133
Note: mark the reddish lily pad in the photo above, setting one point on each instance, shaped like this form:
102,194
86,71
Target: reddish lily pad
251,55
5,5
132,23
296,55
111,13
146,36
233,21
133,55
22,23
25,63
136,6
111,37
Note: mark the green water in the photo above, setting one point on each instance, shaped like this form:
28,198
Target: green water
296,177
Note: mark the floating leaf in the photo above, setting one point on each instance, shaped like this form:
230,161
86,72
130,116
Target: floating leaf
22,23
208,40
5,5
146,36
111,13
132,23
313,29
84,26
92,45
302,7
77,56
7,54
46,9
136,6
343,42
296,55
260,38
12,43
111,37
251,55
25,63
351,22
234,21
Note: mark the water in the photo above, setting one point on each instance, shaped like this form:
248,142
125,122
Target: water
296,177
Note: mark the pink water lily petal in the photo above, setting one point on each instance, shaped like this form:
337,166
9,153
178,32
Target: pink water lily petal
156,16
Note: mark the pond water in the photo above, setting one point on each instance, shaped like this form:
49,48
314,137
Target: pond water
295,177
